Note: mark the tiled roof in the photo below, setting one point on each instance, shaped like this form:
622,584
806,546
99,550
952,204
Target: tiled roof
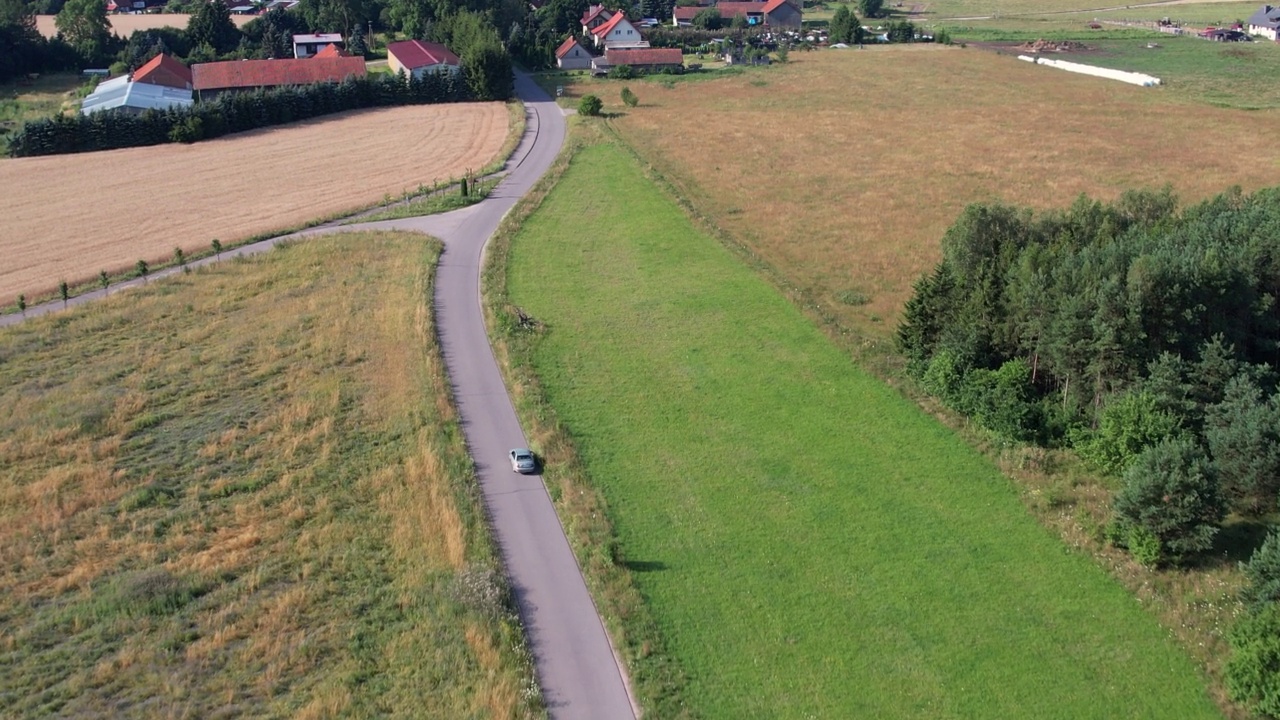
566,46
686,13
592,12
650,56
268,73
414,54
329,51
164,70
774,5
1267,16
604,29
732,9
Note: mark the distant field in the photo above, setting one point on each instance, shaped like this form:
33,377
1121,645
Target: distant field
125,25
810,543
243,492
844,169
69,216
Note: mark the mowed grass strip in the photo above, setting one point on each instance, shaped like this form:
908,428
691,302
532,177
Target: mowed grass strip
811,544
243,492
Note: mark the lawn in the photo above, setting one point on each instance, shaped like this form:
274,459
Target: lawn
243,491
47,95
66,217
809,542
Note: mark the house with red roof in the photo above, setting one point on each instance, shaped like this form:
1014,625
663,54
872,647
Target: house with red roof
618,32
417,57
331,51
773,13
572,56
646,59
211,79
594,17
164,70
307,44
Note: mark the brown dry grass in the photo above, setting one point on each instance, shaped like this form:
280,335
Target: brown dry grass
274,436
69,216
126,25
843,170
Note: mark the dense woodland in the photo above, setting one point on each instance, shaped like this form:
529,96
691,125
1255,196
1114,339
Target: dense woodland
1144,336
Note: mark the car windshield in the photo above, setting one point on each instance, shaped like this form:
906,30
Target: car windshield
523,456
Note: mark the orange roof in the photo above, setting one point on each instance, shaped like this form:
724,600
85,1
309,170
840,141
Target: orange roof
594,11
164,70
417,53
331,51
566,46
604,29
269,73
773,5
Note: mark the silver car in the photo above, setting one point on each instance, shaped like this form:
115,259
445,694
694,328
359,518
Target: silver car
522,461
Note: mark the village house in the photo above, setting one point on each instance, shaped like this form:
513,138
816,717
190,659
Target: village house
618,32
594,17
212,79
1265,22
304,46
646,59
572,56
164,70
774,13
417,58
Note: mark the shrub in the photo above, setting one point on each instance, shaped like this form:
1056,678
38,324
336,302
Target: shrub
1253,672
1129,424
622,72
1171,491
629,98
590,105
1263,573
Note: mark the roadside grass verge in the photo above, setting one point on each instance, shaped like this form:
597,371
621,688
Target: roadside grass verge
244,490
444,199
808,542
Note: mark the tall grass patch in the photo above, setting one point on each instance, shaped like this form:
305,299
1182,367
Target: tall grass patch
809,542
243,491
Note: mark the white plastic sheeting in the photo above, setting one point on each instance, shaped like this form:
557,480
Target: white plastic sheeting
1132,78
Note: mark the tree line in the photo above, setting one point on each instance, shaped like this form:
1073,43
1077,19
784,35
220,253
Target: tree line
231,113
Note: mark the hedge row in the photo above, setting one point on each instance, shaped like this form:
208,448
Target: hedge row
229,113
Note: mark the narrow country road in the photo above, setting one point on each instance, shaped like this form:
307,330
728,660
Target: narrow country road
580,675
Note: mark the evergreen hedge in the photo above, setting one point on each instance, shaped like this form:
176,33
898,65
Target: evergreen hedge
231,112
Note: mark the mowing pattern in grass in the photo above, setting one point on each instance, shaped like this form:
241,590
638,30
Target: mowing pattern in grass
243,491
812,544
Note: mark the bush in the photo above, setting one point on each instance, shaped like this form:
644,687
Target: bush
1129,424
590,105
621,72
1263,573
629,98
1171,491
1253,672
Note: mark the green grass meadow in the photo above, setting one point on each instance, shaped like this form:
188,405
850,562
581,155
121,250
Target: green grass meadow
809,542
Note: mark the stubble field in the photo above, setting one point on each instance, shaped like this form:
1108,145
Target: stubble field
126,25
844,169
70,216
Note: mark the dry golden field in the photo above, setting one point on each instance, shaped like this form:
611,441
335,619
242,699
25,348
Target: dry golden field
69,216
844,169
125,25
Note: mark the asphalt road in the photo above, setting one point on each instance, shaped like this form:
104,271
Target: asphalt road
577,668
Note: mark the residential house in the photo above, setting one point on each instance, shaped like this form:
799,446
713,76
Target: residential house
331,51
572,56
646,59
618,32
164,70
135,98
774,13
416,58
594,17
211,79
1265,22
304,46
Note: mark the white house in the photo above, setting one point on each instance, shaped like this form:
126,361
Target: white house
416,58
304,46
572,56
618,32
1265,22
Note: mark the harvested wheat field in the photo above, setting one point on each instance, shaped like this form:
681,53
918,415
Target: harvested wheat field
844,169
125,25
70,216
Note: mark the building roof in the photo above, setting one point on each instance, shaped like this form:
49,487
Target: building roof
686,13
775,4
595,11
613,22
331,51
1267,17
414,54
164,70
566,46
648,56
317,38
268,73
122,92
732,9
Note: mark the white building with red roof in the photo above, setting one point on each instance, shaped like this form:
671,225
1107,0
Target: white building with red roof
618,32
572,56
594,17
417,57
